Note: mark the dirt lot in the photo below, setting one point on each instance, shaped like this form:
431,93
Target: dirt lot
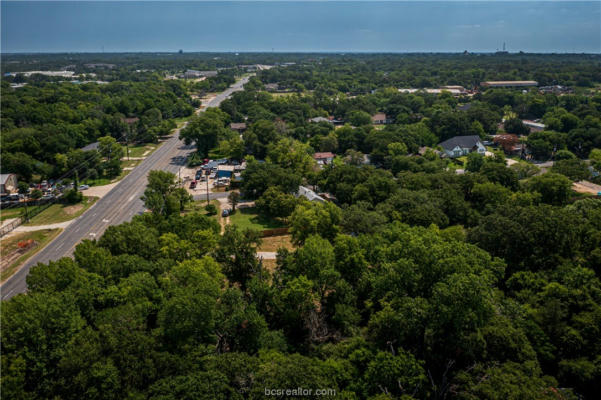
586,187
273,243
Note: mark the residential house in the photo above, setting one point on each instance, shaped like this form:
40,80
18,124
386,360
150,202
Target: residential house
309,194
380,119
320,119
272,87
8,183
462,145
323,158
533,125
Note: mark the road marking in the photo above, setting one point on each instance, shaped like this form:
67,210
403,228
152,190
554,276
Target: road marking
60,245
76,230
131,198
8,294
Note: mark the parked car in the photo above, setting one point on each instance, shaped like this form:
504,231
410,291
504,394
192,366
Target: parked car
84,187
198,174
192,184
225,213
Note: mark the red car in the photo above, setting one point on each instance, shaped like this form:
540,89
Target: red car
192,184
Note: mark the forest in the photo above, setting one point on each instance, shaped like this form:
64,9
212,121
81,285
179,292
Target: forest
415,282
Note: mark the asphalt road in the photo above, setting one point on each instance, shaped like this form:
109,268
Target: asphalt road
117,206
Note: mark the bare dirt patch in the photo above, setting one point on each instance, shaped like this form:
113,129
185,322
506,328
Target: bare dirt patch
586,187
72,210
273,243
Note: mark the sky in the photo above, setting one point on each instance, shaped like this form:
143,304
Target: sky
288,26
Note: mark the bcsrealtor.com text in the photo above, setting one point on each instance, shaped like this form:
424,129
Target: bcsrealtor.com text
321,392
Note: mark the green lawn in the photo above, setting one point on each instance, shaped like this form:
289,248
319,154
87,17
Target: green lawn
199,207
247,218
61,212
138,150
12,258
7,213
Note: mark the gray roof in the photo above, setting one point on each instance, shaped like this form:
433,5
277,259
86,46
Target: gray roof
4,178
466,142
91,146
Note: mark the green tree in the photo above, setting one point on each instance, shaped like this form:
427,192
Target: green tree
315,218
554,188
233,198
162,196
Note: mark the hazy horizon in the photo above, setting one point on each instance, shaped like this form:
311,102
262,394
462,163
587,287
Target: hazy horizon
300,27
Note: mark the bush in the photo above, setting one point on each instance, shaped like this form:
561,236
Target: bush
72,196
211,209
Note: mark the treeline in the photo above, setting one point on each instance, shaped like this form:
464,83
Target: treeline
357,74
43,123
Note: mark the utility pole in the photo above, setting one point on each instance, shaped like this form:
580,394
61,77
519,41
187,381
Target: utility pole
207,176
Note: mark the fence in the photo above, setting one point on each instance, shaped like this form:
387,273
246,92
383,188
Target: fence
30,210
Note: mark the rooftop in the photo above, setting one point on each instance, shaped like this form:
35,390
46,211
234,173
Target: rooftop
461,141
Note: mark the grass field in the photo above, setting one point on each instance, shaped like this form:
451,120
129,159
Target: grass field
138,150
7,213
247,218
61,212
12,256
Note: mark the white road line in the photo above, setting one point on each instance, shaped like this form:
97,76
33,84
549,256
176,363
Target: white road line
131,198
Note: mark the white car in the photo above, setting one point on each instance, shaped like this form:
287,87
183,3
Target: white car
84,187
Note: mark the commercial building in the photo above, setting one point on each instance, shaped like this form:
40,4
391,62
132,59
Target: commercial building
508,84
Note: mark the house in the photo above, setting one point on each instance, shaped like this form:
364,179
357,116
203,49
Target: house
508,84
320,119
462,145
309,194
8,183
323,158
272,87
238,126
380,119
533,125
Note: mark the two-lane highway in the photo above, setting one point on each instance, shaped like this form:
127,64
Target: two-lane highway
117,206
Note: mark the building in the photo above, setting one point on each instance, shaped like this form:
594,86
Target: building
380,119
533,125
508,84
320,119
454,90
8,183
191,74
462,145
309,194
272,87
556,89
225,171
238,126
323,158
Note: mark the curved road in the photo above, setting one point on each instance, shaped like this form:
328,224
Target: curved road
117,206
